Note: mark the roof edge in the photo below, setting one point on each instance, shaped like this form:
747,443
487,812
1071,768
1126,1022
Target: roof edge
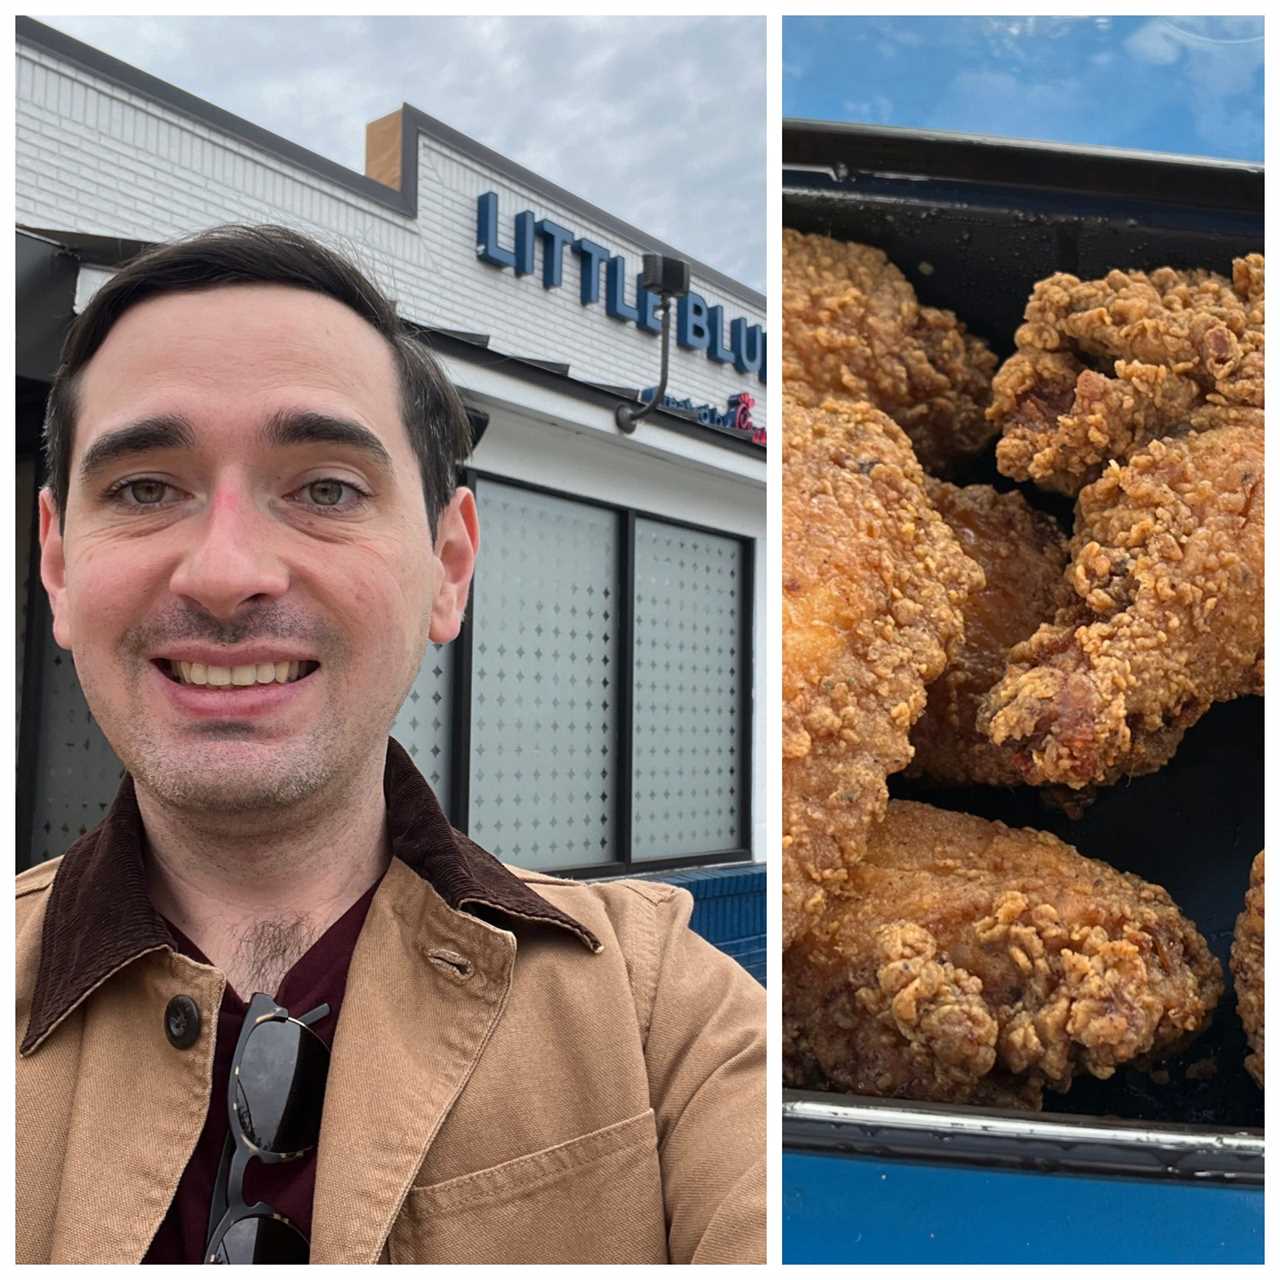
137,81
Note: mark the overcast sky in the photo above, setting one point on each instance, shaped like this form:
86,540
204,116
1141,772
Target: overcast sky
660,121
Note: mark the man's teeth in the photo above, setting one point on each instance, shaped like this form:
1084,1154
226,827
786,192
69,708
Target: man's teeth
251,673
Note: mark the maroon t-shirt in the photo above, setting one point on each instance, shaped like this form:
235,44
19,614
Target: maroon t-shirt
319,977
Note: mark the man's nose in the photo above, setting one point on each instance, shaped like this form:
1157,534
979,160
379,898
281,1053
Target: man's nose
232,558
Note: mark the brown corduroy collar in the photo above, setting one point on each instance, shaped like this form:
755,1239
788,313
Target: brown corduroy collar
100,918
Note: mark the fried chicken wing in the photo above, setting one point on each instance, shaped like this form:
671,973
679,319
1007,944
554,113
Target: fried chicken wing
1249,971
852,328
967,962
872,588
1166,617
1023,554
1105,366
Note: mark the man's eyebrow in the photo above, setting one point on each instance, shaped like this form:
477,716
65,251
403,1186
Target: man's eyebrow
164,431
289,427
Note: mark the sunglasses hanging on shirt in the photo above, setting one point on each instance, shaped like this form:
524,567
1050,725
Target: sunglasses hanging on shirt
275,1098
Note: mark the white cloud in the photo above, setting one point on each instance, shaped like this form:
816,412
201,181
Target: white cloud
1155,43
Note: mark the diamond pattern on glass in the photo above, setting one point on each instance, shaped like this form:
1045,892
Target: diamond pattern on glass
423,726
544,675
686,736
26,492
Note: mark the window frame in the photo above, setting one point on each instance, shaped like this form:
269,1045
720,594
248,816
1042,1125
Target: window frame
460,741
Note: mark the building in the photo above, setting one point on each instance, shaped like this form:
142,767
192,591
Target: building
598,715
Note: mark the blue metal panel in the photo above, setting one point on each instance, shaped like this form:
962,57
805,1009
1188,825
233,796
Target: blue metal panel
848,1209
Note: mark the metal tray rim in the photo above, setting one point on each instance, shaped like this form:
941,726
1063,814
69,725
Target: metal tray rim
977,168
799,125
995,1138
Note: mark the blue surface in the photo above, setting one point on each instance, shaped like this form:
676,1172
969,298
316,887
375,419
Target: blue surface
1187,85
847,1209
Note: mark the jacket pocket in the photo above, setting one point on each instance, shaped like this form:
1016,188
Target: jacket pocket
597,1198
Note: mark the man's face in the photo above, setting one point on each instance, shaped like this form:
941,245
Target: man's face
245,506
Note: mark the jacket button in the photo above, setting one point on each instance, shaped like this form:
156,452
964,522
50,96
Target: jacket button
182,1022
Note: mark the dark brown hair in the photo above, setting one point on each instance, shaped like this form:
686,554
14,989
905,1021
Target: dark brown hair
433,412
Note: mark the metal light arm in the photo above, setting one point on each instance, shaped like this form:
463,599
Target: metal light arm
627,415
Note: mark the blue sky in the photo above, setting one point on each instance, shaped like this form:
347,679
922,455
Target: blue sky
1186,85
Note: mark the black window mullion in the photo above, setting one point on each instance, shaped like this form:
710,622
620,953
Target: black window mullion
746,670
39,626
625,682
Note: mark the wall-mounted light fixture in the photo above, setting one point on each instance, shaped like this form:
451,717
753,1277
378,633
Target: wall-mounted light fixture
668,278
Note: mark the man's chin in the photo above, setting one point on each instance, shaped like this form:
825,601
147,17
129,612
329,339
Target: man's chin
224,773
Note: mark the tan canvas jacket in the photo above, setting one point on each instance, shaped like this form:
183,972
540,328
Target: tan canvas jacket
525,1069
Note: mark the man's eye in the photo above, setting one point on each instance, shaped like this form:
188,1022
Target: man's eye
141,493
331,493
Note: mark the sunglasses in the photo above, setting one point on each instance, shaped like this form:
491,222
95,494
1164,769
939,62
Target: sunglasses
274,1101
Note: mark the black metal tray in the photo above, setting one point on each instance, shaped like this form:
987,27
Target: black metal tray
974,223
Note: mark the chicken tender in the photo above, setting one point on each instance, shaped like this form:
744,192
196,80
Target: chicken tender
1166,617
1023,555
1103,367
852,328
968,962
1249,971
873,583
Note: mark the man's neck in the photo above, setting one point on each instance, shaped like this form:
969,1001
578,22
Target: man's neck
254,891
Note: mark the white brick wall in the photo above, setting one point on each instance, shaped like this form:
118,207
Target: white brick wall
97,158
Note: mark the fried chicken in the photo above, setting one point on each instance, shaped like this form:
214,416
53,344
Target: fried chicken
1166,617
873,583
1105,366
1023,554
852,328
967,962
1249,971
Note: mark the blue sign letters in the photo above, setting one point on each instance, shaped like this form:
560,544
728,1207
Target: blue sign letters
699,327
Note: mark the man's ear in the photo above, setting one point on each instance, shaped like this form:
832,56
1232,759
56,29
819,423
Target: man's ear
53,567
457,541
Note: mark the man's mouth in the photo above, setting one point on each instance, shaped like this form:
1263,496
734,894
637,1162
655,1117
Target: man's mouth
240,677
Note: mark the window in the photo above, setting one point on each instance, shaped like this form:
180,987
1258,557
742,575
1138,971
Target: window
608,672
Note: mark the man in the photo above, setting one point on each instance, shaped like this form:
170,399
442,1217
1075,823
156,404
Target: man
274,1008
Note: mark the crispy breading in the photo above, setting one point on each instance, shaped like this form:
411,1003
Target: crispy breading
1105,366
873,583
853,328
1023,554
1247,952
1166,617
964,961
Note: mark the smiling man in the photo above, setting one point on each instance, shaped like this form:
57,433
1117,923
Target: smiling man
274,1008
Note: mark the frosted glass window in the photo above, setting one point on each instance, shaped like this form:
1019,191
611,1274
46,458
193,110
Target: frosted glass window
686,735
423,726
544,719
77,774
26,494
